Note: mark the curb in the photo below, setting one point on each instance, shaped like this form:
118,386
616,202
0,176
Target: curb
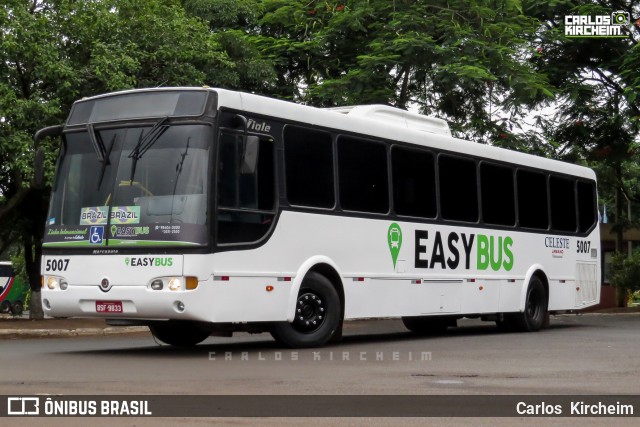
40,333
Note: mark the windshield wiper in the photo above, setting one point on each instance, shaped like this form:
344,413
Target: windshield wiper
97,143
179,165
145,142
101,151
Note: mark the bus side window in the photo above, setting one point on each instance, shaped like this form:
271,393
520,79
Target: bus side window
246,200
458,188
532,200
308,158
362,169
586,206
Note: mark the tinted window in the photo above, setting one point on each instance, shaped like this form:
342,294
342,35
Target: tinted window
308,158
532,200
414,189
498,196
458,189
246,199
586,205
362,166
563,204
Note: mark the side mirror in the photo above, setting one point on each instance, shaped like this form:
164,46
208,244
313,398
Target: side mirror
250,151
38,160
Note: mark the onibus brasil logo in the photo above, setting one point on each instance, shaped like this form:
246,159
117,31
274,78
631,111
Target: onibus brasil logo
598,26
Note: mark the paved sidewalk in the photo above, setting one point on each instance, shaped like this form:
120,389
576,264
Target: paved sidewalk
14,327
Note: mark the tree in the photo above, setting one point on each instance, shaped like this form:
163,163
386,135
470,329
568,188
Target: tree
598,110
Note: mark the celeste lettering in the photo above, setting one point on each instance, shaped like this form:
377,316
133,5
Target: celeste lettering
492,252
556,242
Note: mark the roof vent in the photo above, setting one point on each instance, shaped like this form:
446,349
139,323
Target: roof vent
396,117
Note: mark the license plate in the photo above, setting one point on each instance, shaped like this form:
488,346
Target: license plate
108,306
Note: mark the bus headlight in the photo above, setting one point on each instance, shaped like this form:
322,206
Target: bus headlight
52,282
175,284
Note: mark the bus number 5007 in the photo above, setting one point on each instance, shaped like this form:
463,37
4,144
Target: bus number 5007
57,264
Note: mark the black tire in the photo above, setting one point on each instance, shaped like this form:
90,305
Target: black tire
428,325
317,315
5,306
17,308
535,313
180,333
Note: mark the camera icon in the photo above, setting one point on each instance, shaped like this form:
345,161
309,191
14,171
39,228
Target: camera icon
620,17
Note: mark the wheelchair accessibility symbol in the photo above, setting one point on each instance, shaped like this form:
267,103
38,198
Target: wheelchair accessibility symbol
95,234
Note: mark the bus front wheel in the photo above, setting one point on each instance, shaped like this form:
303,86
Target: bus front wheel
317,315
179,333
534,316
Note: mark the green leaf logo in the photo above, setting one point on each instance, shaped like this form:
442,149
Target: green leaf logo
394,238
127,260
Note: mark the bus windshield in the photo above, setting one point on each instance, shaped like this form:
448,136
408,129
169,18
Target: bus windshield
131,186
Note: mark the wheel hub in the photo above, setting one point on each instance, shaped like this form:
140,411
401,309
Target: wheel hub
310,312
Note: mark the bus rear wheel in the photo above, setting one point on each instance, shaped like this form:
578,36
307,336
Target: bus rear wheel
180,333
317,316
17,308
534,316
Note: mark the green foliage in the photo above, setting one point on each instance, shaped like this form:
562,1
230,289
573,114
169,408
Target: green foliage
625,271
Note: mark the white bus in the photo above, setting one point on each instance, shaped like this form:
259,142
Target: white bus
200,211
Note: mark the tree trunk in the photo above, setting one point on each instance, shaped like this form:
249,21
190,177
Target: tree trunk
32,265
621,292
35,306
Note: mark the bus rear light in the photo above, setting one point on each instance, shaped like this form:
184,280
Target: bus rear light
416,281
471,280
190,283
284,279
358,279
221,278
511,280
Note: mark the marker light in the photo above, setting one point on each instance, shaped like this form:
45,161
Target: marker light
52,283
190,283
269,288
175,284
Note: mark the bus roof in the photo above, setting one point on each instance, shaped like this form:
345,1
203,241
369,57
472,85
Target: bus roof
374,127
378,121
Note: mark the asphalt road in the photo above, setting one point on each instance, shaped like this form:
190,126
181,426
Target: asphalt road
588,354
